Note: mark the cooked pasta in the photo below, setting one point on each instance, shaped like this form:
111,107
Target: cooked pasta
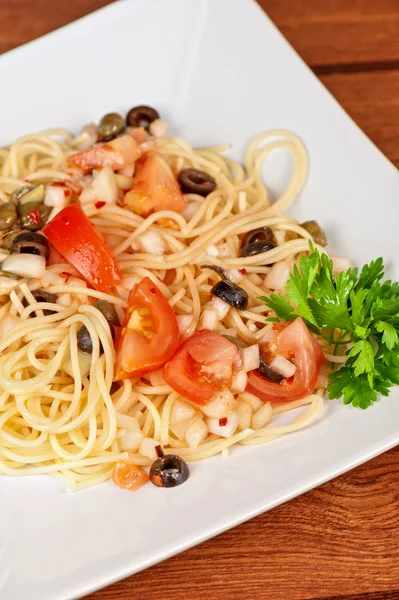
60,412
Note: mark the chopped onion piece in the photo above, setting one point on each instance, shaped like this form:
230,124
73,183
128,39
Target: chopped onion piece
181,412
234,275
262,416
130,440
225,431
152,243
340,264
190,209
244,411
55,195
156,378
127,422
179,429
277,277
158,128
64,299
239,381
105,186
282,366
25,265
196,433
53,213
209,319
123,181
129,282
221,308
51,278
250,358
84,361
212,250
7,284
254,401
147,448
220,406
267,334
184,322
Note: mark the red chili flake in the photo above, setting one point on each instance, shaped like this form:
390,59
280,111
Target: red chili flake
153,291
65,275
243,271
83,387
34,216
67,193
223,422
126,190
99,204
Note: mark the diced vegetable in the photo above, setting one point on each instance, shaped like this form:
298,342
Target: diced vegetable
154,187
117,154
128,476
226,429
76,238
25,265
196,433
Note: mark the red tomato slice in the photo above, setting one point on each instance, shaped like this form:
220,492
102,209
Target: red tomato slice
154,187
117,154
201,367
294,341
76,238
149,335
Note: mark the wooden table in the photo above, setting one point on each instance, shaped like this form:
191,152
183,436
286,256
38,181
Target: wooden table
340,541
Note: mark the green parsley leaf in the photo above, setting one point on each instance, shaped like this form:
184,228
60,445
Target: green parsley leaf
389,334
353,309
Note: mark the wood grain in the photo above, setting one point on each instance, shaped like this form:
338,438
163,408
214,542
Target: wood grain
340,541
339,31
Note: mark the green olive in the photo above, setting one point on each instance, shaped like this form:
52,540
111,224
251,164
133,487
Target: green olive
36,194
19,192
8,216
110,126
33,215
317,233
7,238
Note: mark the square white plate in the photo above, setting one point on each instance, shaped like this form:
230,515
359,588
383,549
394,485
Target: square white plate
218,71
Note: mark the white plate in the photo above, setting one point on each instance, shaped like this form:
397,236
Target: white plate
219,71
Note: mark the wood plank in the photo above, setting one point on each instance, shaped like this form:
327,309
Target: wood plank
372,100
331,31
22,20
339,31
338,540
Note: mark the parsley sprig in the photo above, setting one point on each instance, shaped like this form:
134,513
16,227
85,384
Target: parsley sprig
355,309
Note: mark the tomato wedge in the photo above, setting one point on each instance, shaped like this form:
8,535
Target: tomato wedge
294,341
128,476
78,241
117,154
154,187
149,335
202,366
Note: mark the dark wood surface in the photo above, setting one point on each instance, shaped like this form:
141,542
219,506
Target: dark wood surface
340,541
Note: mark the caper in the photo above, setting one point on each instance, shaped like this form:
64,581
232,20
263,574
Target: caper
19,192
33,215
7,238
317,233
35,194
8,215
110,126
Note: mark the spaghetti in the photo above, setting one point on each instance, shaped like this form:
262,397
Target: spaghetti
63,418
